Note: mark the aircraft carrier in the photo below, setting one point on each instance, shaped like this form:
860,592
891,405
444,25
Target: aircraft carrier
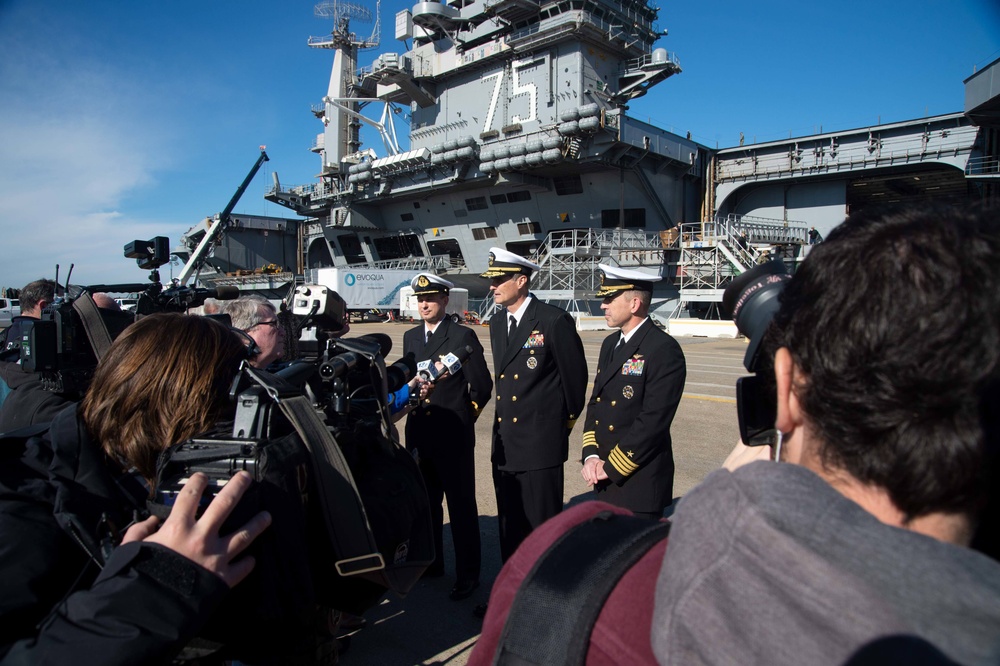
519,137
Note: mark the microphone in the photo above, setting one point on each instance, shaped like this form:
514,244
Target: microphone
452,362
223,293
427,371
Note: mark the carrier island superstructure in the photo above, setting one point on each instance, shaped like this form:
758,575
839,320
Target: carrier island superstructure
518,128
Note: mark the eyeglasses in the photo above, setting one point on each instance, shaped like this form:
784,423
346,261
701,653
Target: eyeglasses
273,322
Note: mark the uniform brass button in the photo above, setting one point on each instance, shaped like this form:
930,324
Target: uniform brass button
513,398
598,399
514,419
498,397
614,402
515,376
611,428
532,352
501,376
499,419
597,423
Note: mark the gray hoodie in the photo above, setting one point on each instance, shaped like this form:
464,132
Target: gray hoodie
771,565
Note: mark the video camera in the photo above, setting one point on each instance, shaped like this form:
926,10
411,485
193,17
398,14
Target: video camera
65,344
752,299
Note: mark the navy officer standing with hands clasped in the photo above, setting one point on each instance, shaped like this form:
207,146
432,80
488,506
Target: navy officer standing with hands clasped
541,382
627,455
442,429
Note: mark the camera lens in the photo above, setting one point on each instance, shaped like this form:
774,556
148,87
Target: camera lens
752,301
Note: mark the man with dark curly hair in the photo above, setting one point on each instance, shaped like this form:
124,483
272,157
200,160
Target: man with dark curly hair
854,545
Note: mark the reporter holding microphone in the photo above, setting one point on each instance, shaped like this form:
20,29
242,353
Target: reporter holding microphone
441,430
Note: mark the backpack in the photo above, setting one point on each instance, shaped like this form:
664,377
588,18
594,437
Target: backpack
556,606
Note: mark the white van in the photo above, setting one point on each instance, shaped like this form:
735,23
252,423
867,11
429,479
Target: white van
127,304
9,308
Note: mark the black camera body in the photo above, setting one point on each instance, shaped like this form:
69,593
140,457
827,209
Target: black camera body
57,346
752,299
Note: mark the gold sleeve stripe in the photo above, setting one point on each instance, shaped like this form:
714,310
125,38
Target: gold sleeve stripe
589,439
570,424
621,462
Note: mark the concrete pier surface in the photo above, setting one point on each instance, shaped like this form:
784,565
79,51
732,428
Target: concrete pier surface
428,628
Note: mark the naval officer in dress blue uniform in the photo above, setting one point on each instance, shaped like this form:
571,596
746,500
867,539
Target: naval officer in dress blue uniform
541,386
627,455
441,429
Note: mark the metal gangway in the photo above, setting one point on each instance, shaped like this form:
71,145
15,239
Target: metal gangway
715,251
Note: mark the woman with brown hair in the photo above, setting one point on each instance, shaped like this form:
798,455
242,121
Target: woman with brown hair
77,579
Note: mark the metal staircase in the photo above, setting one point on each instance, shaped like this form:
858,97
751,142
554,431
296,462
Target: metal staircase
714,252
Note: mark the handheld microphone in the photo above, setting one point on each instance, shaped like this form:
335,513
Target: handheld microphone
452,362
427,371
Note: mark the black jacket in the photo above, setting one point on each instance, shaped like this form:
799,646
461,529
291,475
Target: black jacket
541,386
448,416
62,511
636,393
27,403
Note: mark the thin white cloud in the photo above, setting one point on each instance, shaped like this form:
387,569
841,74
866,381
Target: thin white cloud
77,138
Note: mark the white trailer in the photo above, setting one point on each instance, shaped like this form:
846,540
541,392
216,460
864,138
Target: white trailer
363,289
458,303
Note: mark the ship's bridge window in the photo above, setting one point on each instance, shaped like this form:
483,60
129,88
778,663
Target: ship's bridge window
523,248
398,247
448,247
482,233
476,203
526,228
520,195
568,185
635,218
498,199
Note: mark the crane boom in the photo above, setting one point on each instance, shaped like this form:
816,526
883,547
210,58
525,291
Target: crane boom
214,233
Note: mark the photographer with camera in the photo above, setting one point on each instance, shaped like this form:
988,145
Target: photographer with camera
851,544
78,581
33,298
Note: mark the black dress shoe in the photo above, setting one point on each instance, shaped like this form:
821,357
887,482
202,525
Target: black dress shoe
463,589
480,611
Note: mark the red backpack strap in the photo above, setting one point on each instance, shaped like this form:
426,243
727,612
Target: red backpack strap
557,604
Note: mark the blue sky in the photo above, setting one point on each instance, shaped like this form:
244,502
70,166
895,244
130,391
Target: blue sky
122,121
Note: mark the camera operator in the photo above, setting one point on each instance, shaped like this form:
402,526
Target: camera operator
854,544
33,298
258,318
67,497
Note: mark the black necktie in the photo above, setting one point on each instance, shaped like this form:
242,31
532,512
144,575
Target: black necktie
429,334
510,331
